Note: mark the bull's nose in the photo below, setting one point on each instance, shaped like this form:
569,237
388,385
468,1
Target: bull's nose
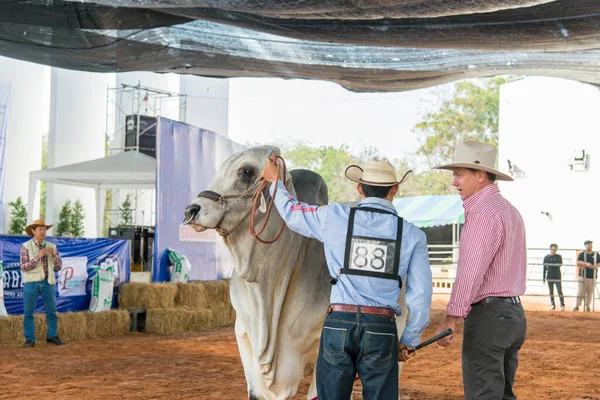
191,211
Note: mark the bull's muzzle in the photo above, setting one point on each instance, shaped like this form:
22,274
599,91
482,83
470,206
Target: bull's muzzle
191,211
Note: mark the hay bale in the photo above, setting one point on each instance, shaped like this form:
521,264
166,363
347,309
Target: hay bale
223,314
71,326
178,320
216,291
191,296
11,330
136,295
40,326
218,300
107,323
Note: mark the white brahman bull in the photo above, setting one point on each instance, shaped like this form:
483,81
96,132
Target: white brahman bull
280,292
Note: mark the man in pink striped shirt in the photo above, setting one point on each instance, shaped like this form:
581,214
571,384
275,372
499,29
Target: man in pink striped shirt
490,277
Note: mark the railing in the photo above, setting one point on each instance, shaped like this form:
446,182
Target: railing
444,258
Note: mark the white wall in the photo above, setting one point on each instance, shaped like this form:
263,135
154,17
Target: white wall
27,122
542,122
207,103
77,133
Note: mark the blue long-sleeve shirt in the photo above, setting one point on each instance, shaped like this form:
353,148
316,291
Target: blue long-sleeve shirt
329,225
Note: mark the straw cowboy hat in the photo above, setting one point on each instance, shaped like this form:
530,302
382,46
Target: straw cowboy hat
35,224
376,173
476,155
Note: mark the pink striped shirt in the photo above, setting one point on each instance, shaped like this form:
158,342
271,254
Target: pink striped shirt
492,259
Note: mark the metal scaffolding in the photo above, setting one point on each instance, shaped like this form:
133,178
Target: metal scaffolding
136,102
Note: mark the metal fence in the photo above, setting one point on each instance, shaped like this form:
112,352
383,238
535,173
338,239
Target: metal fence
444,258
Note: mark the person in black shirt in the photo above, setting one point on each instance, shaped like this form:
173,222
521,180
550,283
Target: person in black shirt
552,264
587,272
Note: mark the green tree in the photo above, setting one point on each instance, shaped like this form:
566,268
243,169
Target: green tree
469,112
18,216
330,162
43,185
107,206
64,219
77,216
125,209
422,183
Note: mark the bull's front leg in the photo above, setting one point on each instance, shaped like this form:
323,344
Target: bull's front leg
252,373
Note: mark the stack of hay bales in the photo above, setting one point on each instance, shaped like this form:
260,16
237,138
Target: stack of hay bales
71,326
180,307
170,308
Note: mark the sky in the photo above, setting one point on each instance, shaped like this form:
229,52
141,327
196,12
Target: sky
272,110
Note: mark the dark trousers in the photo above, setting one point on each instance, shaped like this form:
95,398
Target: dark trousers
493,335
557,283
358,343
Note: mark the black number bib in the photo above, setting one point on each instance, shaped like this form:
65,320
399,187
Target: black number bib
369,256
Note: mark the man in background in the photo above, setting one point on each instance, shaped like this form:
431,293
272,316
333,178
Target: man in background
587,273
552,264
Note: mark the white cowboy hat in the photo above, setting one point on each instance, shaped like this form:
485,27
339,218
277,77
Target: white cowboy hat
476,155
375,173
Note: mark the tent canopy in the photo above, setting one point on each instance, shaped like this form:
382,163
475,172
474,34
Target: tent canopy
378,45
128,170
430,211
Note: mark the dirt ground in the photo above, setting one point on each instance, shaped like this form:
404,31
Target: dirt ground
560,360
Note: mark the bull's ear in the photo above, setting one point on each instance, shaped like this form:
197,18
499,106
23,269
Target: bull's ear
263,203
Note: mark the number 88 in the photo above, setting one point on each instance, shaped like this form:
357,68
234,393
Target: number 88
361,260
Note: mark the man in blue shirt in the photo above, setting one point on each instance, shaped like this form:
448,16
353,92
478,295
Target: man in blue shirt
370,251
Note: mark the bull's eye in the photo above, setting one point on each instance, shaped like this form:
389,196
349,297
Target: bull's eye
246,174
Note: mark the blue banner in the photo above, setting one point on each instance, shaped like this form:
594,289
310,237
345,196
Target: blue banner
74,280
187,161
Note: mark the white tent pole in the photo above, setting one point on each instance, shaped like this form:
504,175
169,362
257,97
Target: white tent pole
99,213
31,199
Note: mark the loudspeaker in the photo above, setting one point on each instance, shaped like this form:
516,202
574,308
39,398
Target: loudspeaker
135,234
147,124
147,133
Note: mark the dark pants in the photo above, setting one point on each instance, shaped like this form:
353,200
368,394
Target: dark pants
551,284
493,335
358,343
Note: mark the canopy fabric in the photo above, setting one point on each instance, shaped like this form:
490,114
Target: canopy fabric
378,45
128,170
430,211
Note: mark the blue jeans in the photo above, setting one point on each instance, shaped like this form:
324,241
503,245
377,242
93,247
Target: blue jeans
358,343
31,292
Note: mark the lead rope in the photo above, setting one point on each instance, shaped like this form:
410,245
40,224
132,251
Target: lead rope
256,199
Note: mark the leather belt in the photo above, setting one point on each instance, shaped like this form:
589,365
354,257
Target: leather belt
488,300
351,308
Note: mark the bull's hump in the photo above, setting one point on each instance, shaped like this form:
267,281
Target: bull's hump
310,187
